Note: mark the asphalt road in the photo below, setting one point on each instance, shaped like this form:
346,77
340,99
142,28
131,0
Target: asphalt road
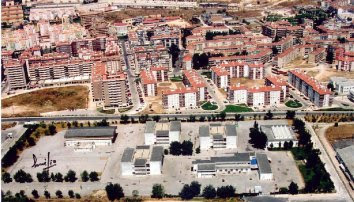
180,116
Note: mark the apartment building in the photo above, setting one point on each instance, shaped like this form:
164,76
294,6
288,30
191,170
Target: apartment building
243,70
162,133
342,85
11,12
277,81
220,77
217,136
281,29
149,83
160,73
317,56
142,160
191,78
259,56
187,97
256,96
16,74
317,93
109,88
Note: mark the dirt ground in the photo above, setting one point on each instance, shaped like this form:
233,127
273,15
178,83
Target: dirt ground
186,14
247,82
341,132
45,100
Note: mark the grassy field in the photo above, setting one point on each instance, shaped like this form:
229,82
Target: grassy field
293,104
209,106
237,108
176,79
340,132
46,100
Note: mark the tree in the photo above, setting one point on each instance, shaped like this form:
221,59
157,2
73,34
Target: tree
89,123
156,118
258,139
175,148
222,115
69,125
71,194
59,177
43,176
31,141
186,193
165,151
268,115
59,194
191,118
35,194
187,148
195,188
293,188
225,191
283,190
22,177
70,176
209,192
143,118
291,144
94,176
174,51
290,114
114,192
197,150
238,117
47,194
124,118
52,129
6,177
77,196
84,176
202,118
158,191
330,86
135,193
75,124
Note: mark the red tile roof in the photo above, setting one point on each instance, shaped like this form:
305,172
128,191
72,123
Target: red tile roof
147,77
194,78
320,89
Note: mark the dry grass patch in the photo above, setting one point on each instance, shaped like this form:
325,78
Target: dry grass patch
46,100
5,126
340,132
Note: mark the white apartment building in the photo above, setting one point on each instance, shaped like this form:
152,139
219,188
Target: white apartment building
16,74
179,98
217,136
162,133
149,83
141,161
220,77
342,85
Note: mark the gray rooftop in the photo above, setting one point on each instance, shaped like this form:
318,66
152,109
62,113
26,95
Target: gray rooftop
175,126
346,154
206,167
230,130
157,153
128,155
237,157
150,126
263,163
140,162
204,131
201,161
143,147
215,124
218,137
162,133
88,132
267,129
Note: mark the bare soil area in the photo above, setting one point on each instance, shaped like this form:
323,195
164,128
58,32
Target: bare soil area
340,132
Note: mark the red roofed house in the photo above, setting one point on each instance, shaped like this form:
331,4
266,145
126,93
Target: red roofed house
187,62
160,73
191,78
184,97
317,93
277,81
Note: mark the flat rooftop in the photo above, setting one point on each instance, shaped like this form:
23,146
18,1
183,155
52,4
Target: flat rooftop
278,132
91,132
347,155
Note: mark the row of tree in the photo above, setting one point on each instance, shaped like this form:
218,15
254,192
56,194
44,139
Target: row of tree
22,177
21,196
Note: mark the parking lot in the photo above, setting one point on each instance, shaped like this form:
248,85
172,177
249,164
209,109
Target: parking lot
176,170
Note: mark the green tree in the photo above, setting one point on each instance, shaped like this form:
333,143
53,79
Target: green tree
69,125
84,176
293,188
258,139
114,191
186,193
43,176
158,191
59,177
187,148
47,194
225,191
197,150
6,177
222,115
35,194
22,177
93,176
124,118
52,129
156,118
70,176
31,141
174,51
290,114
191,118
268,115
195,188
77,196
175,148
75,124
209,192
59,194
202,118
71,194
